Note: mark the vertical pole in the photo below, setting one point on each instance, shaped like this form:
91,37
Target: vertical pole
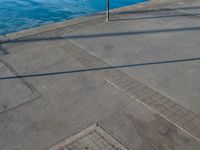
107,10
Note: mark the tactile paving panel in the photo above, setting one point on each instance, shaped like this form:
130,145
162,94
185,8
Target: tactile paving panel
92,138
182,117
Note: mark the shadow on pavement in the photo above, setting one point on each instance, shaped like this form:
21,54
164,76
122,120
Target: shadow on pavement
99,68
100,35
156,17
159,10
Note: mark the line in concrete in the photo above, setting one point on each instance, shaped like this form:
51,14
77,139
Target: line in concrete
181,117
37,95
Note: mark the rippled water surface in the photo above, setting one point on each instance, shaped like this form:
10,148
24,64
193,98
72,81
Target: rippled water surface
16,15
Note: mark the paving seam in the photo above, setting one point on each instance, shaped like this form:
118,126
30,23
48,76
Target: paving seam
112,135
181,117
24,82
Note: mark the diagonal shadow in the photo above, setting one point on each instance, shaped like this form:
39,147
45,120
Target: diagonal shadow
124,12
98,69
156,17
100,35
158,10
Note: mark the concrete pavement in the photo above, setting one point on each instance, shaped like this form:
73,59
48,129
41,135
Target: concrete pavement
137,76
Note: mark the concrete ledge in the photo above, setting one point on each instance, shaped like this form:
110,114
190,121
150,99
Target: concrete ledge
50,27
58,25
3,38
152,4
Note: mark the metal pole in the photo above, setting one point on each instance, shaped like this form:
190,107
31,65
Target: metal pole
107,10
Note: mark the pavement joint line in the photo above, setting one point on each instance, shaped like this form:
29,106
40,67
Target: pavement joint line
20,105
29,85
180,127
110,134
24,82
154,106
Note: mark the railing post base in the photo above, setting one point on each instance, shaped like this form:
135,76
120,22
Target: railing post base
107,10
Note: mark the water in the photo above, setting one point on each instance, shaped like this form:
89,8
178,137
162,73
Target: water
16,15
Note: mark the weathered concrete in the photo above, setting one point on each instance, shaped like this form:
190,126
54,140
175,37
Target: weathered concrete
52,65
137,128
152,37
14,92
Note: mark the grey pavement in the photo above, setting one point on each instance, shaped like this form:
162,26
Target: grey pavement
151,40
137,76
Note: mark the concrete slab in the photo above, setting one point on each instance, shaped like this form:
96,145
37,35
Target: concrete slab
137,130
73,96
38,57
154,39
69,104
14,92
170,110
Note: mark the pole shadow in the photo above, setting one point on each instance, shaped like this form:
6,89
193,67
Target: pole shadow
98,69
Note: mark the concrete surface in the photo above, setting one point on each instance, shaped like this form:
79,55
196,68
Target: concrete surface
149,37
139,129
49,91
93,137
10,95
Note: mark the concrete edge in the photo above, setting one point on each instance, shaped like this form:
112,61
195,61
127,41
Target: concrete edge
49,27
58,25
84,133
3,38
73,137
141,93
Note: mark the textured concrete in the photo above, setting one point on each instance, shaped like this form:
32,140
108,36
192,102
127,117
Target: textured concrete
94,137
173,112
139,129
57,80
14,92
146,37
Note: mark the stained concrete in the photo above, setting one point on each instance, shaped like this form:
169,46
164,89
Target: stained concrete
138,128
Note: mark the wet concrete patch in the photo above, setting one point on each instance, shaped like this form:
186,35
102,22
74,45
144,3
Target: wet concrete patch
13,92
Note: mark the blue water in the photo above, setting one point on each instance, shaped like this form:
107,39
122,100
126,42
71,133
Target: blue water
16,15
